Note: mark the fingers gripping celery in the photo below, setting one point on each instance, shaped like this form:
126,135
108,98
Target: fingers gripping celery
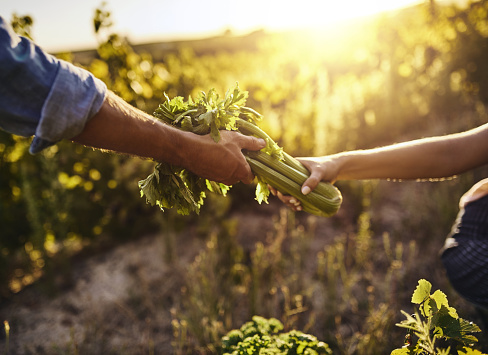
312,203
173,187
330,198
287,174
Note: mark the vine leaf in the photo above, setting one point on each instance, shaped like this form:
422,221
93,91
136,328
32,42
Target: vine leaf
440,299
436,320
422,292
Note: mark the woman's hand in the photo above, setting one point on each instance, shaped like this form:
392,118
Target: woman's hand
323,168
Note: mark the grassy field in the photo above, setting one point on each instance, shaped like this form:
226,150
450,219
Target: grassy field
343,279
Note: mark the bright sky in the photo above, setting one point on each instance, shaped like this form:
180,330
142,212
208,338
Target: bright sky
67,24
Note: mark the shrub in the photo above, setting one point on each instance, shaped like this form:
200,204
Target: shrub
262,336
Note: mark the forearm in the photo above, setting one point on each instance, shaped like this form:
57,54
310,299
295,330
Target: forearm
122,128
428,158
420,159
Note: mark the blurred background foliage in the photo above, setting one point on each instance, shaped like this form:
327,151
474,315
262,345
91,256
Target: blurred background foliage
398,76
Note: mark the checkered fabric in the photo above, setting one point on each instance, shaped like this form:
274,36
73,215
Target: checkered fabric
465,256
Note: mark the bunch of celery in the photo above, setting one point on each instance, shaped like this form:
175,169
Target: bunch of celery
173,187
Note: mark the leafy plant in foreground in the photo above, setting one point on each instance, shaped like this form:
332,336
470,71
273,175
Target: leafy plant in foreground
262,336
433,321
170,186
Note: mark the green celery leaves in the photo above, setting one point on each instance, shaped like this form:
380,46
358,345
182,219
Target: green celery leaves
173,187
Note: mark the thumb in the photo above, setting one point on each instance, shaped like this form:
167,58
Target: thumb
311,183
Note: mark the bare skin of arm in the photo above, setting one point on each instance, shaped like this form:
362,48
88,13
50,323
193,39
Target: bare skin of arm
121,128
435,157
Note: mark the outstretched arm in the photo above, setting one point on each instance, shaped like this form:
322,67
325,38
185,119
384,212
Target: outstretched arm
122,128
435,157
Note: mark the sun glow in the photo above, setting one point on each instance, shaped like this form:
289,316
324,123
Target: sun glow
310,13
149,20
204,18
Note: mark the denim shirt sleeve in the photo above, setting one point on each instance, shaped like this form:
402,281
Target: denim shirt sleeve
42,96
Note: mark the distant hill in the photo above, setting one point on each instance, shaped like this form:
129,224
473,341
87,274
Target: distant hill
159,50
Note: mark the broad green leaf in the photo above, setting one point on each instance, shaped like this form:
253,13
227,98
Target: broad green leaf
422,292
438,320
446,325
149,188
468,327
440,299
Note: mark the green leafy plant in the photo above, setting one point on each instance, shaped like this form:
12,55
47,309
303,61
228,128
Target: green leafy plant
174,187
435,320
262,336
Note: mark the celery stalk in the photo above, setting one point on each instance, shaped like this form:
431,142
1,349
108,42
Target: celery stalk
174,187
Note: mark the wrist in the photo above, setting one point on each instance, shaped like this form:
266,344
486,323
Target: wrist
187,145
173,145
342,165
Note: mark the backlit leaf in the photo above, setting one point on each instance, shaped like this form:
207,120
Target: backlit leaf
422,292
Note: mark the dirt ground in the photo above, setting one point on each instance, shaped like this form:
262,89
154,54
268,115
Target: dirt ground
110,303
94,306
107,302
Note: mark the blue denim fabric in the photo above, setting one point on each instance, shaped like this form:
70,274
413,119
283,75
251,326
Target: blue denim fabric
42,96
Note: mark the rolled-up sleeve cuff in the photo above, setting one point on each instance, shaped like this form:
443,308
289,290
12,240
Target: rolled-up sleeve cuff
75,97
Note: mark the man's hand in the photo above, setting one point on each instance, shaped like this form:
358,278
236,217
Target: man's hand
223,161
